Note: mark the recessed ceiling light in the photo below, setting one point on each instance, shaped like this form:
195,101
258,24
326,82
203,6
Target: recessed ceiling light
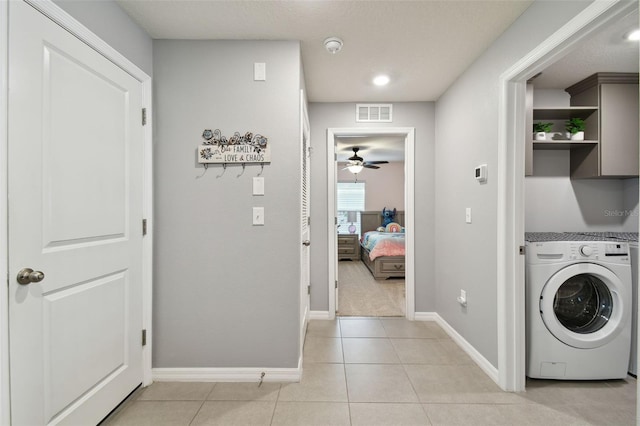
634,35
381,80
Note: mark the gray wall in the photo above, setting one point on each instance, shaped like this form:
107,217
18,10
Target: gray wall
226,293
411,114
109,22
466,135
556,203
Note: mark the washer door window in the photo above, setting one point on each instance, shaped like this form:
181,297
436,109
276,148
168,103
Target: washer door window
583,305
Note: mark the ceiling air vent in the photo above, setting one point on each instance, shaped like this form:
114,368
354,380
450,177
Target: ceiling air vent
374,113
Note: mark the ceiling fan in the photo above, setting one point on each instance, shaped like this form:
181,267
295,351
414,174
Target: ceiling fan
356,163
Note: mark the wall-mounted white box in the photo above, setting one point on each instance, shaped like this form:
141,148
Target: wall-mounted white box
258,215
258,186
259,71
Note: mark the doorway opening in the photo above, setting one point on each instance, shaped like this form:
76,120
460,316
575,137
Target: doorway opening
346,224
370,200
511,184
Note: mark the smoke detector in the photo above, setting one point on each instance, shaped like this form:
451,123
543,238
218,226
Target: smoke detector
333,45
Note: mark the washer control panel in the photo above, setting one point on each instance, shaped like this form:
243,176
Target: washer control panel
584,250
589,251
595,251
616,249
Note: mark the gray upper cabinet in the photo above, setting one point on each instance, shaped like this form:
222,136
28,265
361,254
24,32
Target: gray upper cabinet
616,153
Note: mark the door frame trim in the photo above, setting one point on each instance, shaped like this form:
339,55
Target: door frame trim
409,214
66,21
510,203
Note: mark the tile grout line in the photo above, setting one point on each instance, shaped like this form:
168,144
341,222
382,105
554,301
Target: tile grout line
197,412
344,371
275,405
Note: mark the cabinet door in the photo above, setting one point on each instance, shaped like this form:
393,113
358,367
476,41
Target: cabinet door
619,130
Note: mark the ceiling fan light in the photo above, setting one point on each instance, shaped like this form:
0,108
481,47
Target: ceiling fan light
355,168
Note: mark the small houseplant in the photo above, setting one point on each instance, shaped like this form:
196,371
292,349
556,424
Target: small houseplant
575,129
540,131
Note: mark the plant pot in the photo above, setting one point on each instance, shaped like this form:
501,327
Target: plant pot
540,136
578,136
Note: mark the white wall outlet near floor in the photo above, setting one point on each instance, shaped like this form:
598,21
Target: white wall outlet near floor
258,215
467,214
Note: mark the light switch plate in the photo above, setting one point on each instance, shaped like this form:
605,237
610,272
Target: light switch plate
258,186
468,215
258,215
259,71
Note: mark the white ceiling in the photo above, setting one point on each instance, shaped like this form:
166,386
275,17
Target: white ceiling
606,51
423,45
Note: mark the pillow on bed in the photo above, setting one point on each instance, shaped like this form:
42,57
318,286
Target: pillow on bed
393,227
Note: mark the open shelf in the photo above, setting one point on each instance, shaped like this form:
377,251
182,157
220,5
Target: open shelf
563,113
562,144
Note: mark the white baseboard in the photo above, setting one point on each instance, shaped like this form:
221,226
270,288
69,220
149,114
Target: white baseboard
425,316
476,356
226,374
319,315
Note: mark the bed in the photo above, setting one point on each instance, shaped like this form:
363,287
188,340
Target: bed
387,263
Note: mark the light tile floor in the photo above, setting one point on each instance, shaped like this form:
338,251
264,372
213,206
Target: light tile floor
382,371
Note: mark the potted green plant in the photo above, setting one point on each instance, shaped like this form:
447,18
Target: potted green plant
540,131
575,129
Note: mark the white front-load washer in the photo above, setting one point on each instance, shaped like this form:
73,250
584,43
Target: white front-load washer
578,309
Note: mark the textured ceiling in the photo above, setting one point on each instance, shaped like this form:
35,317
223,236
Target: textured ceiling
423,45
606,51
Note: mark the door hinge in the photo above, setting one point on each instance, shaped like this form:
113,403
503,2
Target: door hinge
309,289
335,220
144,337
523,250
308,220
144,227
336,283
335,156
144,116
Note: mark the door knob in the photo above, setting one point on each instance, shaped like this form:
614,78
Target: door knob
28,275
306,243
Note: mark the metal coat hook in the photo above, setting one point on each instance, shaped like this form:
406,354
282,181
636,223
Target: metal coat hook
224,169
261,169
206,167
242,172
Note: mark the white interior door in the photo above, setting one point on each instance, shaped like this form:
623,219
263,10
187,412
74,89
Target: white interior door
305,228
75,210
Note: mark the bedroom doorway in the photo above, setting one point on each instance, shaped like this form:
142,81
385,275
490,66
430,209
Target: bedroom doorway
364,288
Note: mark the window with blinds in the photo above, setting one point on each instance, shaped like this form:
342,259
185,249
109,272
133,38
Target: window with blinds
350,202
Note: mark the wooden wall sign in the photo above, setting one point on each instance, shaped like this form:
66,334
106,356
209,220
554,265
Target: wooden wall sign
238,149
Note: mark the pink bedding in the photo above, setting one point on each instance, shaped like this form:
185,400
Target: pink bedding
383,244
